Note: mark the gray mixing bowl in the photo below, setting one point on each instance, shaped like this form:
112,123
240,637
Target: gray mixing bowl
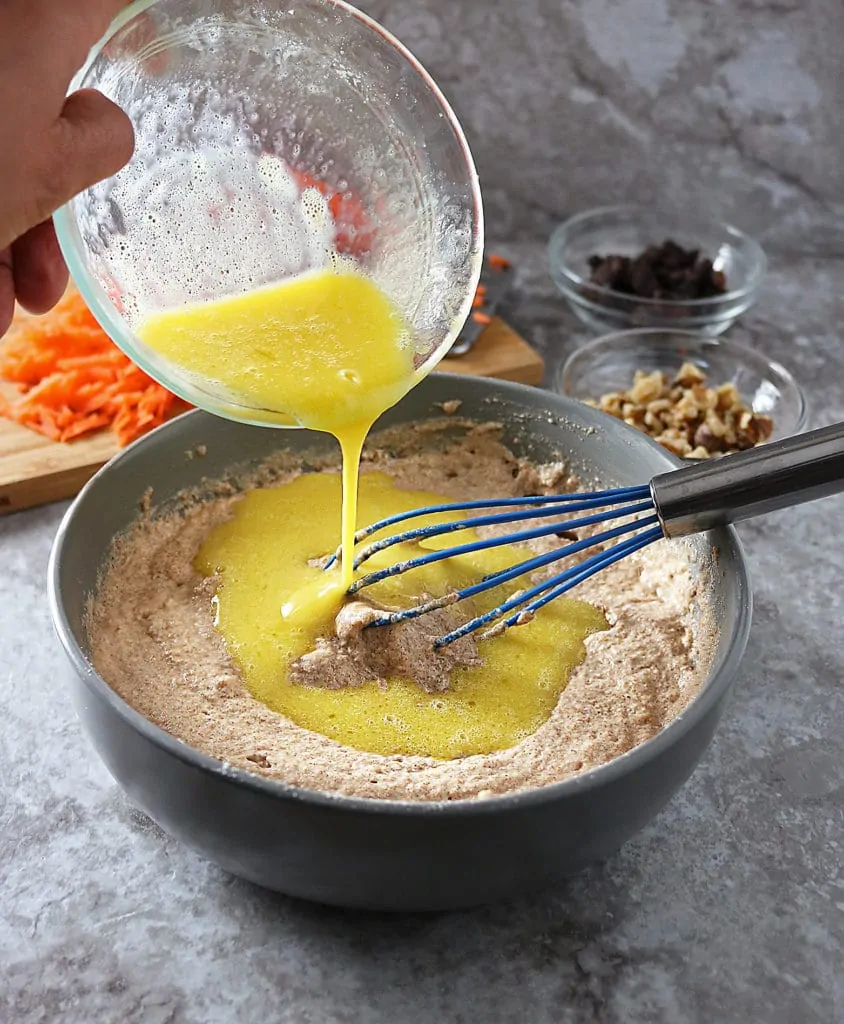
380,854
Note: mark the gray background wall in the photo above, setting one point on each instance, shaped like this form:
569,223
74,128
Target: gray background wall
730,106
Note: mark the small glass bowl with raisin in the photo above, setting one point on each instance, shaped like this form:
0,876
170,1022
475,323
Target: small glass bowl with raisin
698,396
631,266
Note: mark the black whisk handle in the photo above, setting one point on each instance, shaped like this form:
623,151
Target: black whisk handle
773,476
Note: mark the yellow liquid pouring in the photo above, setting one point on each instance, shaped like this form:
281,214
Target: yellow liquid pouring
331,352
327,349
264,551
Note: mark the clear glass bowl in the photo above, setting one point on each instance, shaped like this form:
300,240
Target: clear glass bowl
268,135
608,364
626,231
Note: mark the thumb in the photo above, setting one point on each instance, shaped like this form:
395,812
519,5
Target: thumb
91,140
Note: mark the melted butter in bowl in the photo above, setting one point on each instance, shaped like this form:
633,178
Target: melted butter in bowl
505,689
327,349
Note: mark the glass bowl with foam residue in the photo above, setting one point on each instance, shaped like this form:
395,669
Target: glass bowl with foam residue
272,140
628,231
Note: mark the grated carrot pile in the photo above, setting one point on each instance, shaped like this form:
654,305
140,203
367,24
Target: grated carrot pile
73,380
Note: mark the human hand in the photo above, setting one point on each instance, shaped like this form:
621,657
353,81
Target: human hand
51,146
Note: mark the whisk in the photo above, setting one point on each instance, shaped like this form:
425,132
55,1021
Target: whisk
674,504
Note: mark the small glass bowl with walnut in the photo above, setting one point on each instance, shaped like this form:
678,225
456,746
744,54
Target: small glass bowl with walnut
697,396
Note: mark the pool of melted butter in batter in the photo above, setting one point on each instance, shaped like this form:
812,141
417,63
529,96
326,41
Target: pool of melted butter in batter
261,557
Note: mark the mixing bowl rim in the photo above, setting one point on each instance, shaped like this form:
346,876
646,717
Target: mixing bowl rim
69,239
568,279
714,689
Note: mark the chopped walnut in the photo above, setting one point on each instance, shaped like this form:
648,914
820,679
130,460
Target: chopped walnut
259,759
451,406
686,416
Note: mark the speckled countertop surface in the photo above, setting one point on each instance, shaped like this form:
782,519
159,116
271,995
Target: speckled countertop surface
730,906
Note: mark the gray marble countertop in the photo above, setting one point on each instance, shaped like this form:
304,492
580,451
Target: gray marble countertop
730,906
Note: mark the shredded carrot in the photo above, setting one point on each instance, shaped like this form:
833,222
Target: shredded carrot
482,318
498,262
478,302
354,228
73,381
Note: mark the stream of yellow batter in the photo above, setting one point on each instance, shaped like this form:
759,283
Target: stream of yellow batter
326,350
329,351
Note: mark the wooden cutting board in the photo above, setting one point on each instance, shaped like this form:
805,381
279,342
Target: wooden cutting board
499,352
35,470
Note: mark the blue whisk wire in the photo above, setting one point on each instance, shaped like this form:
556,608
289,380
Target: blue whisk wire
505,575
633,504
480,545
593,499
550,589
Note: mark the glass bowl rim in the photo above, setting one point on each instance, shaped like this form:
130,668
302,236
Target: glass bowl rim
698,344
67,231
571,279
